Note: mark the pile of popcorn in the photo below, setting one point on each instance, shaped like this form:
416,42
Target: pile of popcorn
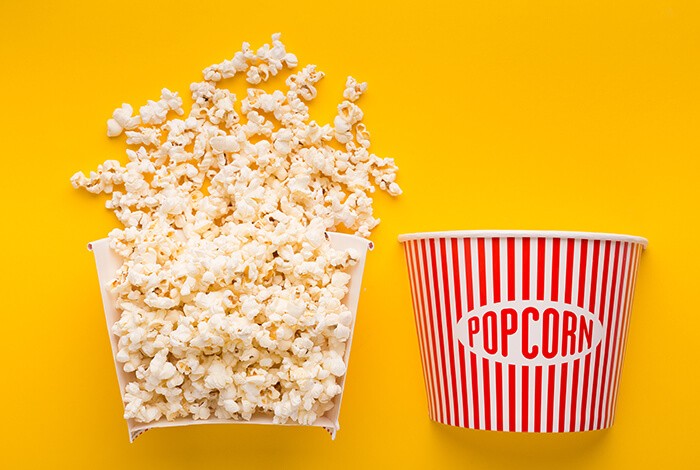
230,293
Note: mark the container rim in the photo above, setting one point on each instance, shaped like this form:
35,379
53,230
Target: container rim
523,233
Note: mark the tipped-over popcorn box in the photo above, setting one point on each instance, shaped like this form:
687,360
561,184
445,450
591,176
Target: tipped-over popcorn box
522,330
107,265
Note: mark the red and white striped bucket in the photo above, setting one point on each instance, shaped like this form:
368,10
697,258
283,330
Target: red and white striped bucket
522,330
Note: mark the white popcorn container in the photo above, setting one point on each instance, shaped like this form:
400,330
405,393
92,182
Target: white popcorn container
522,330
109,262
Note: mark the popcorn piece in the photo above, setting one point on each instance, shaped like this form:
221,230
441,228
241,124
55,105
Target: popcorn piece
353,89
122,119
230,292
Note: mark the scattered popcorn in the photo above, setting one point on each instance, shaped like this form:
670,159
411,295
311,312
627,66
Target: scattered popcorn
230,292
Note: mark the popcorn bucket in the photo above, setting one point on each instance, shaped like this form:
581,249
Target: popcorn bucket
522,330
107,265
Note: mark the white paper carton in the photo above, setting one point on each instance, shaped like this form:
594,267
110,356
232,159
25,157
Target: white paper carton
107,265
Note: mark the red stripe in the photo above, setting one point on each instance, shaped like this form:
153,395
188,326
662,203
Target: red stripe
511,268
556,254
496,259
601,317
541,272
438,317
538,399
526,369
475,390
568,288
562,396
526,268
499,396
510,258
487,393
540,296
463,382
574,397
577,363
481,250
606,338
615,337
511,397
436,379
448,323
482,271
458,283
414,297
569,269
594,279
540,268
550,398
472,356
468,271
525,372
584,395
459,313
582,275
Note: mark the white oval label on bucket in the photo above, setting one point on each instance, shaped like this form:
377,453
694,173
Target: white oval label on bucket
530,332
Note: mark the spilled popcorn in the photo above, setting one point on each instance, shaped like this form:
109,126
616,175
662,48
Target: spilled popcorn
230,292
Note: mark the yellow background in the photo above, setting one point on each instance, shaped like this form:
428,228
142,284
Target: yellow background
501,114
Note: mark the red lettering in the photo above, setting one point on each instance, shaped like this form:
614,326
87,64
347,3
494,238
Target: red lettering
535,315
507,330
546,334
550,333
568,336
490,332
472,328
585,330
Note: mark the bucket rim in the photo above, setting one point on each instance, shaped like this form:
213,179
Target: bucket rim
523,234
